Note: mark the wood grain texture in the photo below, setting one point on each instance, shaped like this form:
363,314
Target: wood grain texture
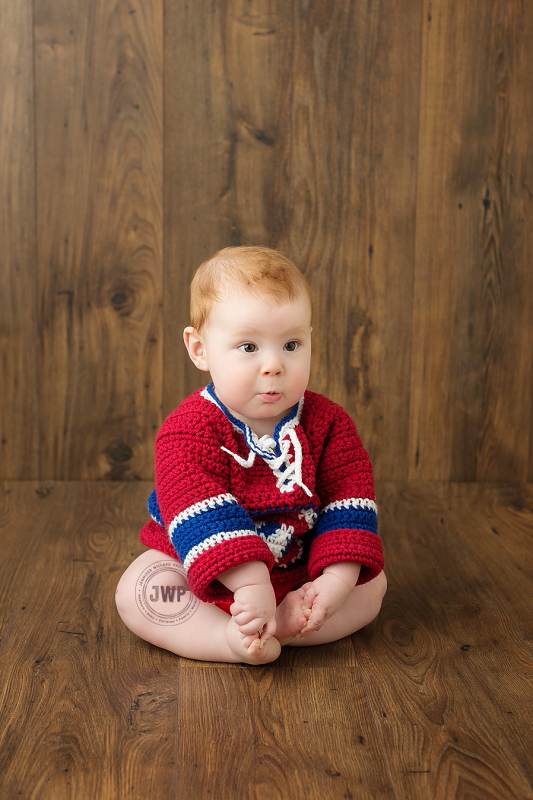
472,294
19,441
506,438
19,534
98,113
459,675
497,521
385,147
278,733
430,702
85,722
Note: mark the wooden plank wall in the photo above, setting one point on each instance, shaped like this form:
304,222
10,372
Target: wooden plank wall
383,145
18,303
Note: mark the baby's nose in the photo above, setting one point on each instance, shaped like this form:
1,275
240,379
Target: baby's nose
272,367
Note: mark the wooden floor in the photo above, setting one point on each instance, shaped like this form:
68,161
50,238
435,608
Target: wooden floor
433,700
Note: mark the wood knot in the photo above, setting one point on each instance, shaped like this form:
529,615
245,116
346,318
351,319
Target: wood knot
118,452
123,301
43,491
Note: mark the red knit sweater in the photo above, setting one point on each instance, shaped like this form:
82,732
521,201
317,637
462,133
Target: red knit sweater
298,501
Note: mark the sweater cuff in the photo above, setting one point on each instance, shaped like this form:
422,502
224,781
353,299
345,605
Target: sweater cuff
333,547
205,569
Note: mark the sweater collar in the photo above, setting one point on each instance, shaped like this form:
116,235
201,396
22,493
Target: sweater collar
275,449
268,447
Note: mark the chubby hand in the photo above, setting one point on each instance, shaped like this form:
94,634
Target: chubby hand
254,603
326,594
254,610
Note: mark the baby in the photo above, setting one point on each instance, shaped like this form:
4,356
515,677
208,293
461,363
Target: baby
263,491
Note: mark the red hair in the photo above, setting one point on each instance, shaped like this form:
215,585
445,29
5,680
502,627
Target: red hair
255,269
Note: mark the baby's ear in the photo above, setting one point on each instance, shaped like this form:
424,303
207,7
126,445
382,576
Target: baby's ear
196,348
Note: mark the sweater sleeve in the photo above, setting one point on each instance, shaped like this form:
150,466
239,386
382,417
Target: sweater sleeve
210,531
346,528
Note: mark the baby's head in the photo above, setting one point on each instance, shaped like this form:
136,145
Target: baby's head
259,271
251,329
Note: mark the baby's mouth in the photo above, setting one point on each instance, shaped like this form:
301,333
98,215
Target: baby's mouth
270,397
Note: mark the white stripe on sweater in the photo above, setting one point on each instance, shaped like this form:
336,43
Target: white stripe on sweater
199,508
352,502
212,541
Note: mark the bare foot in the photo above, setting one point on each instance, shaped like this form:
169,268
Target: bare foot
291,616
250,649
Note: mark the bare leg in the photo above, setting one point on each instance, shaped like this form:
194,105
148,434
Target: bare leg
360,607
154,602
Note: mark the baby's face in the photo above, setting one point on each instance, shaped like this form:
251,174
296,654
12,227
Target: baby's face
259,356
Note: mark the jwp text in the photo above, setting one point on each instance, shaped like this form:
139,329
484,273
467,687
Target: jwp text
168,594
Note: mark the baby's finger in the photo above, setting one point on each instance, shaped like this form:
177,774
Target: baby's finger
250,639
242,617
310,593
315,621
254,626
236,608
268,630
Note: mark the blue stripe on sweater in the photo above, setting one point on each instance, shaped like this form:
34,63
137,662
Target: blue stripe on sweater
223,519
153,508
362,519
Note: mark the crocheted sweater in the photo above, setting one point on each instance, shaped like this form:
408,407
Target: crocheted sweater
298,501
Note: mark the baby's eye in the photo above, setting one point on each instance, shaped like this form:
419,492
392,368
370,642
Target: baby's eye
291,346
248,347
